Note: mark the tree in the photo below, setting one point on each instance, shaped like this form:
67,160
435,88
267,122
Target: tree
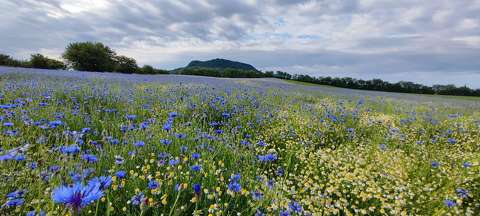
125,64
89,56
147,69
43,62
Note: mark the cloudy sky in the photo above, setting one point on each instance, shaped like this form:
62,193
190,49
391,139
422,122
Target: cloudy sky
427,41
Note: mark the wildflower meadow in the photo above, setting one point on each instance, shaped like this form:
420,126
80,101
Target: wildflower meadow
130,145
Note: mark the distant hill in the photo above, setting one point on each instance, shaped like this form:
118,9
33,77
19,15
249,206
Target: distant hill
219,68
221,64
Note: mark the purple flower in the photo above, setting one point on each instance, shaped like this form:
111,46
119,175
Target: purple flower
449,203
77,196
197,188
267,158
153,184
195,156
103,182
435,164
235,187
71,149
173,162
138,199
121,174
139,144
165,142
90,158
295,207
462,193
196,168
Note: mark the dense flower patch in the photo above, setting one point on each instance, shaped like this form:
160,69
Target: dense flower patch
92,146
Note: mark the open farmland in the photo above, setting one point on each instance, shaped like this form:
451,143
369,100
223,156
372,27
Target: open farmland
84,143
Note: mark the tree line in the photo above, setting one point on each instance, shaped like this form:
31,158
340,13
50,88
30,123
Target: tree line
378,85
84,56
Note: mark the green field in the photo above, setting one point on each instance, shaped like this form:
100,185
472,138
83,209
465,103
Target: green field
135,145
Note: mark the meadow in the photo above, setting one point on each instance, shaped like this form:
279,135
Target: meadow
112,144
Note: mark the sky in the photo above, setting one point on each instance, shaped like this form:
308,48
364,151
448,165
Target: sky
427,41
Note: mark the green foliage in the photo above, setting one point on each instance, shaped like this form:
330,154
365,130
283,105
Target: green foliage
43,62
6,60
125,64
89,56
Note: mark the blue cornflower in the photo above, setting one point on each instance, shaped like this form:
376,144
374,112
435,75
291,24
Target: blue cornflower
295,207
54,124
261,143
71,149
197,188
119,160
235,177
103,182
8,124
196,168
382,147
165,142
86,130
280,171
219,131
78,195
256,195
195,156
34,213
467,164
184,148
452,140
139,143
173,162
267,158
138,199
153,184
284,213
167,126
90,158
180,135
172,115
235,187
14,202
245,142
16,194
33,165
131,117
121,174
435,164
225,115
462,193
449,203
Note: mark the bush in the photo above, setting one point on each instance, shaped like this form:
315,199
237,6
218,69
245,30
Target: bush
43,62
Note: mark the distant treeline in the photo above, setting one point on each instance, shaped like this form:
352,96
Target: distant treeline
378,85
84,56
35,61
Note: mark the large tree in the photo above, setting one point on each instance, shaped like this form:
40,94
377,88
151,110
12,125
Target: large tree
89,56
125,64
